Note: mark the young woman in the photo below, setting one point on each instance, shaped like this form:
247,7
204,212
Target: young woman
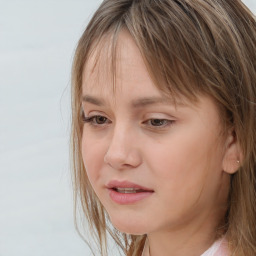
164,142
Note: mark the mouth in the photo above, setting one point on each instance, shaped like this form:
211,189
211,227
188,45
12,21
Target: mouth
128,190
125,192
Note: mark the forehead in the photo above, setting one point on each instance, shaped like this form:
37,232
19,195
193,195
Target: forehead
111,63
118,65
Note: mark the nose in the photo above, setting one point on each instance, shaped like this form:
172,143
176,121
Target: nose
123,152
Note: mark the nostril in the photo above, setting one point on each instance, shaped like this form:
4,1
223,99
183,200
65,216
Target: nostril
122,159
116,154
122,152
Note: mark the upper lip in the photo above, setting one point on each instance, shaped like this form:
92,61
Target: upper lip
126,184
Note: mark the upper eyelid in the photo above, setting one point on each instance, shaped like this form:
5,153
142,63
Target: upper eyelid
153,109
93,113
170,119
161,119
147,116
144,120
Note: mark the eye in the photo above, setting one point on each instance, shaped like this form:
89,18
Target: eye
99,119
96,120
158,123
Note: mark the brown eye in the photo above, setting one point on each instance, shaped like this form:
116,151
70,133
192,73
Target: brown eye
158,122
96,120
100,119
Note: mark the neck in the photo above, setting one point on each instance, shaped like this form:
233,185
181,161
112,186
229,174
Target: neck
189,240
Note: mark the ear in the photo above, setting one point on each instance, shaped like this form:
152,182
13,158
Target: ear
232,155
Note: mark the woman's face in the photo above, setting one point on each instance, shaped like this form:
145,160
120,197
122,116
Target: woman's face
153,165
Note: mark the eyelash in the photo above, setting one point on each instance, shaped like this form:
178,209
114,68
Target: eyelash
163,123
93,121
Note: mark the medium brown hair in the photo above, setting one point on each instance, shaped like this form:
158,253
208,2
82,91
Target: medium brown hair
209,42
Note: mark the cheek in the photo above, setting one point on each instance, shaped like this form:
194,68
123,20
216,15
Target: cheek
184,176
186,163
180,157
93,157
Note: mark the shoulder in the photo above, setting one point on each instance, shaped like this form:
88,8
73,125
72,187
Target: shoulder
219,248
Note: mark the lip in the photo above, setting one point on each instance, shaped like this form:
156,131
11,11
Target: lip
127,198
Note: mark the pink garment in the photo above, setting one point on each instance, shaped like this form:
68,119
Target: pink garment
219,248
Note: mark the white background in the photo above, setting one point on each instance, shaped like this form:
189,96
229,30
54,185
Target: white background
37,42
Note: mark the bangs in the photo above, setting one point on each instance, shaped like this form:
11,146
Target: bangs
173,77
175,44
175,58
101,61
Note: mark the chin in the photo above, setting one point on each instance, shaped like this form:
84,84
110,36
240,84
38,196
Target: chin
129,226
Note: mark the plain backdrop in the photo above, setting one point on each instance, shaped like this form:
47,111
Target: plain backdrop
37,42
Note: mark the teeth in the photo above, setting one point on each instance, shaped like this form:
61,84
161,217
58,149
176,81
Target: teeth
128,190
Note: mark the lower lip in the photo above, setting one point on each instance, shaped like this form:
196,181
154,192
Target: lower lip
128,198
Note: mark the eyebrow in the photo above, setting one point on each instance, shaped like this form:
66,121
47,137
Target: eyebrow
93,100
137,103
151,101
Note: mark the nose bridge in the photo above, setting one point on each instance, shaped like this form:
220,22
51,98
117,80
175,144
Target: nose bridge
119,135
122,150
121,141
